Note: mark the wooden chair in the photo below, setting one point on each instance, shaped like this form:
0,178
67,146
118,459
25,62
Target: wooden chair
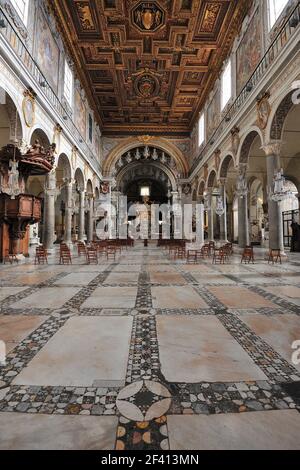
65,254
180,252
248,255
91,255
41,255
211,247
173,251
219,256
205,251
81,248
191,256
101,247
111,252
274,256
229,248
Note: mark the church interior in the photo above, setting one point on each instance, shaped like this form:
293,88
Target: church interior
149,225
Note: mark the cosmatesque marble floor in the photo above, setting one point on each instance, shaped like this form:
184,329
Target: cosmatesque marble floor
145,352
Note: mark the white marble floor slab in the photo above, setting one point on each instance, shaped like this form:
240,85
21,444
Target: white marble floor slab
111,297
120,278
47,297
176,297
77,279
279,331
167,278
260,430
55,432
84,350
195,349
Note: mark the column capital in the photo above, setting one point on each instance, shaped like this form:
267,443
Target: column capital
222,181
68,182
208,191
273,147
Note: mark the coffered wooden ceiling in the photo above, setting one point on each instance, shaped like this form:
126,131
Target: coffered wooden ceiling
148,66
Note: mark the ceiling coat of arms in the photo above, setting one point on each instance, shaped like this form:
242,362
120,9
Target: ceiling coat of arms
148,16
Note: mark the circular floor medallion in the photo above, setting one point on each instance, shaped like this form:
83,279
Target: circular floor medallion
143,400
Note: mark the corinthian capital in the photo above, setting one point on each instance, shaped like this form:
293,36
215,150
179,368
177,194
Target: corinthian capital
273,147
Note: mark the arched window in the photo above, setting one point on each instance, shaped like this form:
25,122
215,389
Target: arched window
226,87
276,7
201,130
21,7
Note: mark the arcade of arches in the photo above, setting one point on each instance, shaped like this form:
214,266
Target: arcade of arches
110,340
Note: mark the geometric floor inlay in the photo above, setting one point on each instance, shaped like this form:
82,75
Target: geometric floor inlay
144,352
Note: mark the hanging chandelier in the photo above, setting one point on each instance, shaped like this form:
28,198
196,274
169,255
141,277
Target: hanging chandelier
220,206
154,155
279,192
146,152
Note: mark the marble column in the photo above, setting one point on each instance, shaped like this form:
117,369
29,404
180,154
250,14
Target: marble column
90,230
230,221
81,216
68,213
210,217
243,226
223,218
49,210
200,224
272,151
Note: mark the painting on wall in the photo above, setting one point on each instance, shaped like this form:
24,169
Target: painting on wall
213,114
80,114
47,51
249,51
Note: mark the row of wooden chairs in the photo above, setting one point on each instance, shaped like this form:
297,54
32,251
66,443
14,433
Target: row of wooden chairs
206,251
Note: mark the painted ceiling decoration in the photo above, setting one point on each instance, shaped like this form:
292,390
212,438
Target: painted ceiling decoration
149,66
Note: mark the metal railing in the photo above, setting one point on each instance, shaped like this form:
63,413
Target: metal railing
16,44
286,32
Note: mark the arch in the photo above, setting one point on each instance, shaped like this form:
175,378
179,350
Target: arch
246,144
158,165
97,193
201,187
79,178
18,107
63,169
211,180
89,188
280,115
40,135
42,131
194,195
224,166
133,142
